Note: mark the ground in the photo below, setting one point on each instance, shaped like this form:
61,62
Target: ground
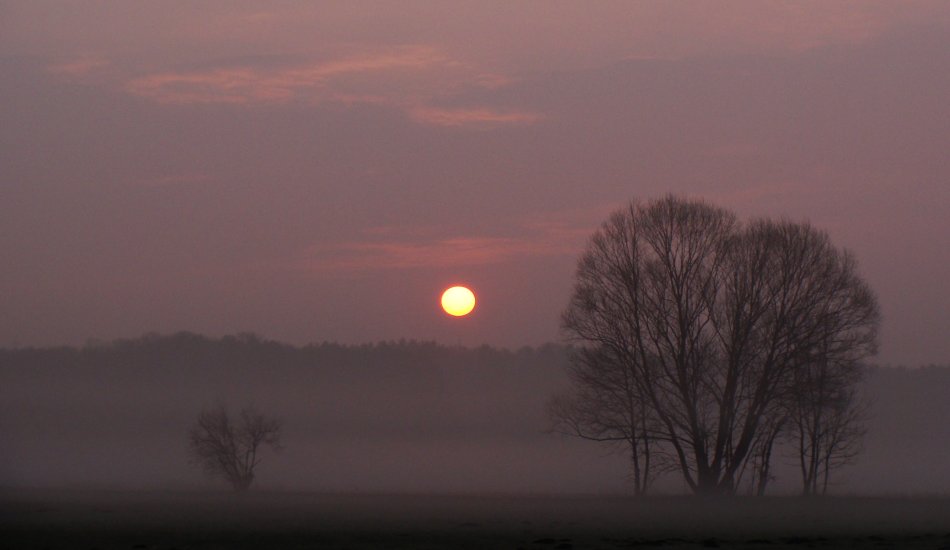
108,520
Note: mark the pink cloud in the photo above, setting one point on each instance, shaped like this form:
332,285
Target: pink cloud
218,86
405,78
401,255
492,81
473,118
415,248
80,66
315,82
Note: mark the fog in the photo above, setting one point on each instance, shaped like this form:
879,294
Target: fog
395,417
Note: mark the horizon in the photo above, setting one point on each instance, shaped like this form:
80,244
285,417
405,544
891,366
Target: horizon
93,343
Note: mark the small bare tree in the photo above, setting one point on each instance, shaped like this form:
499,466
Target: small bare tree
827,417
229,447
607,406
760,461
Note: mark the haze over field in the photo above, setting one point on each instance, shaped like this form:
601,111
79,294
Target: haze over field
322,172
391,418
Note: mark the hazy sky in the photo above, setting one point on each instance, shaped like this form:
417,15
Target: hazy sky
322,171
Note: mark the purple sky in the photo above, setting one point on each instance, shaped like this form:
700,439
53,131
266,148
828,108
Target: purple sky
322,172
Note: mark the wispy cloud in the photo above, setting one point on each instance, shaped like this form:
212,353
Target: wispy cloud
438,253
79,66
408,78
390,248
472,118
311,82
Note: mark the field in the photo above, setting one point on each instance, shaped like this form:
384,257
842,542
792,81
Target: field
164,520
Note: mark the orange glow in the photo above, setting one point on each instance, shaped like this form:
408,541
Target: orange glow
458,301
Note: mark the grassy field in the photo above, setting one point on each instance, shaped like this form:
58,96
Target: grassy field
165,520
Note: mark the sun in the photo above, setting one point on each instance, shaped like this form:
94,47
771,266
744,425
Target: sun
458,301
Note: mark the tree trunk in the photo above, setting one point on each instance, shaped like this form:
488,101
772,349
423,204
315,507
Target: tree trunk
637,475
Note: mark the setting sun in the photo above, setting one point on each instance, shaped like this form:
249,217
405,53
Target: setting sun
458,301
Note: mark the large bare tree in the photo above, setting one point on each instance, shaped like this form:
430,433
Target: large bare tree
229,447
710,319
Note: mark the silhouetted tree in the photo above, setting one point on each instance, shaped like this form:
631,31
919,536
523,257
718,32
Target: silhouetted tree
710,319
607,406
827,417
229,447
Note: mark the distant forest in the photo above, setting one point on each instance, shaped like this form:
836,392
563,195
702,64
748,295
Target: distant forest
401,416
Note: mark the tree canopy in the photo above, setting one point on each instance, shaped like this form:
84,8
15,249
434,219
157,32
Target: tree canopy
692,330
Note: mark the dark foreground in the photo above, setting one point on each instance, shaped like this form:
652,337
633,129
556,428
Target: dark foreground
166,520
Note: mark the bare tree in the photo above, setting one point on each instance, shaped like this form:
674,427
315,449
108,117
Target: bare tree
709,319
607,406
230,447
760,459
827,417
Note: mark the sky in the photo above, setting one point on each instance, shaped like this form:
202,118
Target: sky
322,171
